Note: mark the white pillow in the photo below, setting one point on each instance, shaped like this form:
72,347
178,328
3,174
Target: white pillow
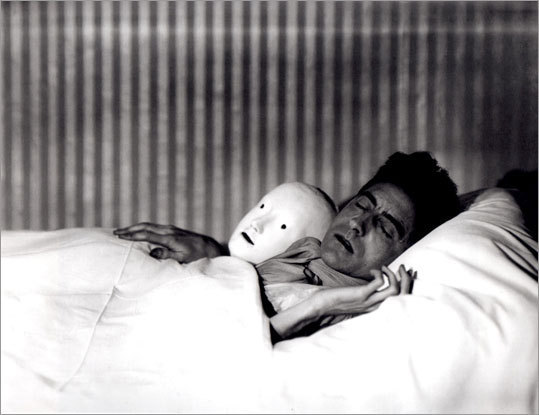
465,341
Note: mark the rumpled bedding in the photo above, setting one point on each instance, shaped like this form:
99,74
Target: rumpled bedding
91,323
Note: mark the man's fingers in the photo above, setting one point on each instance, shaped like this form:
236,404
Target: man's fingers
147,226
147,236
394,286
376,283
406,280
133,228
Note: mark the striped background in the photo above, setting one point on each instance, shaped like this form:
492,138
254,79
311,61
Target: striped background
187,112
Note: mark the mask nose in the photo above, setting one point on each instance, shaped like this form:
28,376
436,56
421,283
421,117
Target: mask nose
257,226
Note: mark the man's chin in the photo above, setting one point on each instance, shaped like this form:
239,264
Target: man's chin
333,259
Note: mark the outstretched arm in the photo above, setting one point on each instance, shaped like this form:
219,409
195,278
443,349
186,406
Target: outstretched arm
179,244
342,300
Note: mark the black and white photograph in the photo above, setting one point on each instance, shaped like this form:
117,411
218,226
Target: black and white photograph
269,206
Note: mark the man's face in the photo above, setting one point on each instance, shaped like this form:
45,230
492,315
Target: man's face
289,212
371,231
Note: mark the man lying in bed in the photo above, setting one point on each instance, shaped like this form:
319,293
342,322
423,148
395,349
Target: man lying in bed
408,197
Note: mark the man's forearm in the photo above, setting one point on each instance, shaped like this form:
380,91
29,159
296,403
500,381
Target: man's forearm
292,320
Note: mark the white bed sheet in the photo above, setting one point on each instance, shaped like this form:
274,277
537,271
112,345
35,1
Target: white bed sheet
91,323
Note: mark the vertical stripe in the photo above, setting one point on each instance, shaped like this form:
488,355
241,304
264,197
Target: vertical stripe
326,149
61,117
69,165
422,74
345,182
127,171
430,75
513,74
26,114
457,132
26,127
116,113
230,132
80,109
88,137
319,83
375,71
476,102
469,90
171,92
152,144
44,118
146,141
439,133
183,158
366,121
392,64
248,97
162,213
33,221
263,97
500,122
273,57
107,148
98,113
300,92
135,107
52,113
190,114
235,193
200,117
403,76
7,116
256,116
358,88
309,96
412,102
337,105
289,31
207,136
220,101
488,131
282,104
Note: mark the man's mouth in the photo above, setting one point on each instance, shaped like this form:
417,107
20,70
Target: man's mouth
246,237
344,243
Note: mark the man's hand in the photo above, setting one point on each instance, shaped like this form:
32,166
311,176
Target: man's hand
365,298
342,300
181,245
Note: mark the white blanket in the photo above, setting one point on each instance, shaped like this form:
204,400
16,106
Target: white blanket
91,323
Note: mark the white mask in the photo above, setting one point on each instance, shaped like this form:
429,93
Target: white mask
289,212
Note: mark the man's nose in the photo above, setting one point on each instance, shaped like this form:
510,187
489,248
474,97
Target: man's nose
358,227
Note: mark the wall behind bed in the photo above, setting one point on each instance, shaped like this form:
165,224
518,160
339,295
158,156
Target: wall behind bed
187,112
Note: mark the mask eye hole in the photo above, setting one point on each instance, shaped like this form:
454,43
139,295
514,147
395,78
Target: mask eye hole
283,226
262,206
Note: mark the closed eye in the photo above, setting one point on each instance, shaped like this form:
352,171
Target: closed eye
359,205
384,227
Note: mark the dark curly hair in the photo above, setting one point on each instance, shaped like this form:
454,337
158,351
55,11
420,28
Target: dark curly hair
433,193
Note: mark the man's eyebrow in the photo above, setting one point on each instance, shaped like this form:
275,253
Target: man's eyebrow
399,226
370,196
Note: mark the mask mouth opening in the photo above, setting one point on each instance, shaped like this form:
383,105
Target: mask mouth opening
247,238
344,243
